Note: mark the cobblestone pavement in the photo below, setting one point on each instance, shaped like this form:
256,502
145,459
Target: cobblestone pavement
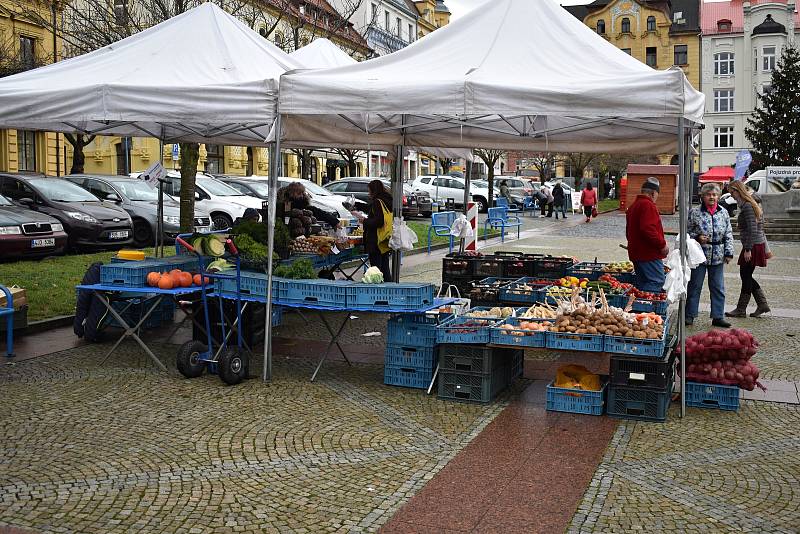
121,447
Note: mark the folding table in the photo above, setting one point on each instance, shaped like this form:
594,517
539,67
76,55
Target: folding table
104,292
335,333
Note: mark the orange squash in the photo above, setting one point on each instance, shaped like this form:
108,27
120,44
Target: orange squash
153,278
165,282
186,279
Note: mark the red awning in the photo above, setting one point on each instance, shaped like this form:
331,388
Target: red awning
717,174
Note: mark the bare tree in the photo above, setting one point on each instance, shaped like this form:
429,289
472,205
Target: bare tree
446,163
579,162
14,61
544,163
614,165
490,158
351,157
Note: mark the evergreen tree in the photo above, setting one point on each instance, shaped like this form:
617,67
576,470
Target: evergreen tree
774,128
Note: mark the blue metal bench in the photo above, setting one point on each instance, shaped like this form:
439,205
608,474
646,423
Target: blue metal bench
529,204
502,202
8,313
499,218
440,226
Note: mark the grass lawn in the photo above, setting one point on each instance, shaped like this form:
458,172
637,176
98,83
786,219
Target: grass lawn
608,204
50,283
421,229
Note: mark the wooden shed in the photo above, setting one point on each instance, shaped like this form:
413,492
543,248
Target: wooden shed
666,174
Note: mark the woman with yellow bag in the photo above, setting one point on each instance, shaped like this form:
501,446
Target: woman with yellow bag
378,228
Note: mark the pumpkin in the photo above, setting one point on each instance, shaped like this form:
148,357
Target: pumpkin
165,282
185,279
153,278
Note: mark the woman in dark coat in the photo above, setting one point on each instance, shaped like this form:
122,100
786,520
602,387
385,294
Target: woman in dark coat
379,253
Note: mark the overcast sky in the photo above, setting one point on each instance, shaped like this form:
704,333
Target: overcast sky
460,7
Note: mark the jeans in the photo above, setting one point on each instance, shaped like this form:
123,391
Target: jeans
716,285
650,276
562,208
382,262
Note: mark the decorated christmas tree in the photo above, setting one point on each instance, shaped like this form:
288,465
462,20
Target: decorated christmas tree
774,128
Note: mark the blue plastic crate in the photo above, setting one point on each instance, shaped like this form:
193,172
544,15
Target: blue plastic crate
184,262
523,291
277,315
132,311
640,404
576,400
589,270
317,292
129,274
571,341
487,290
518,337
423,358
403,332
712,396
465,330
251,283
646,306
408,377
409,297
641,348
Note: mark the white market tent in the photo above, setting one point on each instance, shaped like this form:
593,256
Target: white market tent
516,75
322,54
201,76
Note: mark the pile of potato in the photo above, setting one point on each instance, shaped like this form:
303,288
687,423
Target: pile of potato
614,322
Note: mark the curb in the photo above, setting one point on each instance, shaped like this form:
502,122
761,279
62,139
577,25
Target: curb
37,327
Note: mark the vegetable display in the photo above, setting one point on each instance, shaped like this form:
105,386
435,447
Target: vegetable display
210,245
373,275
644,295
526,328
539,311
494,313
619,267
579,317
722,357
174,279
300,269
250,249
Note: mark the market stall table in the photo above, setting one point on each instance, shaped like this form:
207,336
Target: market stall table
104,292
335,333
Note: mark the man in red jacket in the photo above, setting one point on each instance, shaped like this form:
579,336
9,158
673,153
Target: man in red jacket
646,243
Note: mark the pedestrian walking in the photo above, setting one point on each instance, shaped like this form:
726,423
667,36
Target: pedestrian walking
559,200
646,243
755,251
375,225
710,225
589,201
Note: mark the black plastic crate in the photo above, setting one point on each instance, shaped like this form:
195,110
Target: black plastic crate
489,266
551,267
487,290
642,372
463,283
475,388
458,265
517,267
475,358
640,404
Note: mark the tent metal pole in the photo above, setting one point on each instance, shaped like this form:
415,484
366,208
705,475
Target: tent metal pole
397,197
467,183
683,214
274,171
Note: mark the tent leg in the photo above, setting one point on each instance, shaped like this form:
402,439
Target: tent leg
467,183
274,171
683,179
397,200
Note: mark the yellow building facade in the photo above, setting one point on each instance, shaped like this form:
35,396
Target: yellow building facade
433,14
25,44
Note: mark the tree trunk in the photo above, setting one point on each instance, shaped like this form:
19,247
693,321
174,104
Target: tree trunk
352,167
490,176
78,143
190,153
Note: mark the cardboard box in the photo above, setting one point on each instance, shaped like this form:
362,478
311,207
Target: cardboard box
18,296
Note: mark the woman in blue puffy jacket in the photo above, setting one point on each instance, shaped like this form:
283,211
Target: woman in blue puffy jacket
710,225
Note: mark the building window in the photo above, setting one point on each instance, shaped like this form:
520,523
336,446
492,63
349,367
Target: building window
26,51
387,21
651,23
374,14
123,151
121,12
399,25
768,58
626,25
723,63
601,27
279,39
766,89
723,137
410,33
627,51
26,150
681,54
651,56
215,159
723,99
724,25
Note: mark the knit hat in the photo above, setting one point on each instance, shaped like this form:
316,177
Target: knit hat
652,183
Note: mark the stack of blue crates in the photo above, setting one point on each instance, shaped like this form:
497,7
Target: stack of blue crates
411,350
133,310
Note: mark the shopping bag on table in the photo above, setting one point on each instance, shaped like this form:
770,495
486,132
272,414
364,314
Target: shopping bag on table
459,307
403,238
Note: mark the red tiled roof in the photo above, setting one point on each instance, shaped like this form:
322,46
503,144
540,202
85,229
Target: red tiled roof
712,12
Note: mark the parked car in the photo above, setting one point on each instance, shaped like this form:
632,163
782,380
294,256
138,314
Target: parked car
414,203
141,202
27,234
223,202
440,188
757,183
320,197
89,222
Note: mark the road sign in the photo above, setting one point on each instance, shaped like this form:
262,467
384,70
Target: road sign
153,174
175,151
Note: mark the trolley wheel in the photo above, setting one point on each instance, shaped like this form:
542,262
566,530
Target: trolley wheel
233,365
188,360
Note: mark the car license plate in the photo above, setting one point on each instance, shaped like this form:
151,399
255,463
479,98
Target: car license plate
202,228
119,235
38,243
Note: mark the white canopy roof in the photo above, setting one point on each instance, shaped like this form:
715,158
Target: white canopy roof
322,54
515,74
202,75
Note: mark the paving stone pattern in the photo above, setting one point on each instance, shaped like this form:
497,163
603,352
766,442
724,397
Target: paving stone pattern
122,447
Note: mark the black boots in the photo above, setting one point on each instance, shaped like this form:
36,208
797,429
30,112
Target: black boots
741,308
720,323
761,301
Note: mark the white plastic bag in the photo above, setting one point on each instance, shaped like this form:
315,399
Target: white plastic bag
694,252
677,281
461,304
461,228
402,236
